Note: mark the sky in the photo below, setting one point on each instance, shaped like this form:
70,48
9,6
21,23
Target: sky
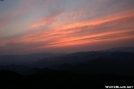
65,26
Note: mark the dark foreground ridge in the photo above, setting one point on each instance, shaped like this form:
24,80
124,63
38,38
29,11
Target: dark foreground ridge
82,70
49,79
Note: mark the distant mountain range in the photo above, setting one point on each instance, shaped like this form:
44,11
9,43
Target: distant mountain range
123,49
24,59
36,57
82,57
93,62
86,70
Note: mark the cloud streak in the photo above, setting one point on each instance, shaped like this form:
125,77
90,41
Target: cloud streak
51,25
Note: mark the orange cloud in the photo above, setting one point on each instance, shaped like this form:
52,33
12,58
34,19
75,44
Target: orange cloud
42,23
94,38
78,33
63,32
63,27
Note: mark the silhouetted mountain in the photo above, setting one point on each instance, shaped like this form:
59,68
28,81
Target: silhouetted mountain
9,79
30,71
82,57
106,66
8,73
60,79
36,71
100,66
25,59
15,68
73,58
48,59
77,70
94,62
121,49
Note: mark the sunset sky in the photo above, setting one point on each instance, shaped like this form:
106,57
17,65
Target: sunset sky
65,26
